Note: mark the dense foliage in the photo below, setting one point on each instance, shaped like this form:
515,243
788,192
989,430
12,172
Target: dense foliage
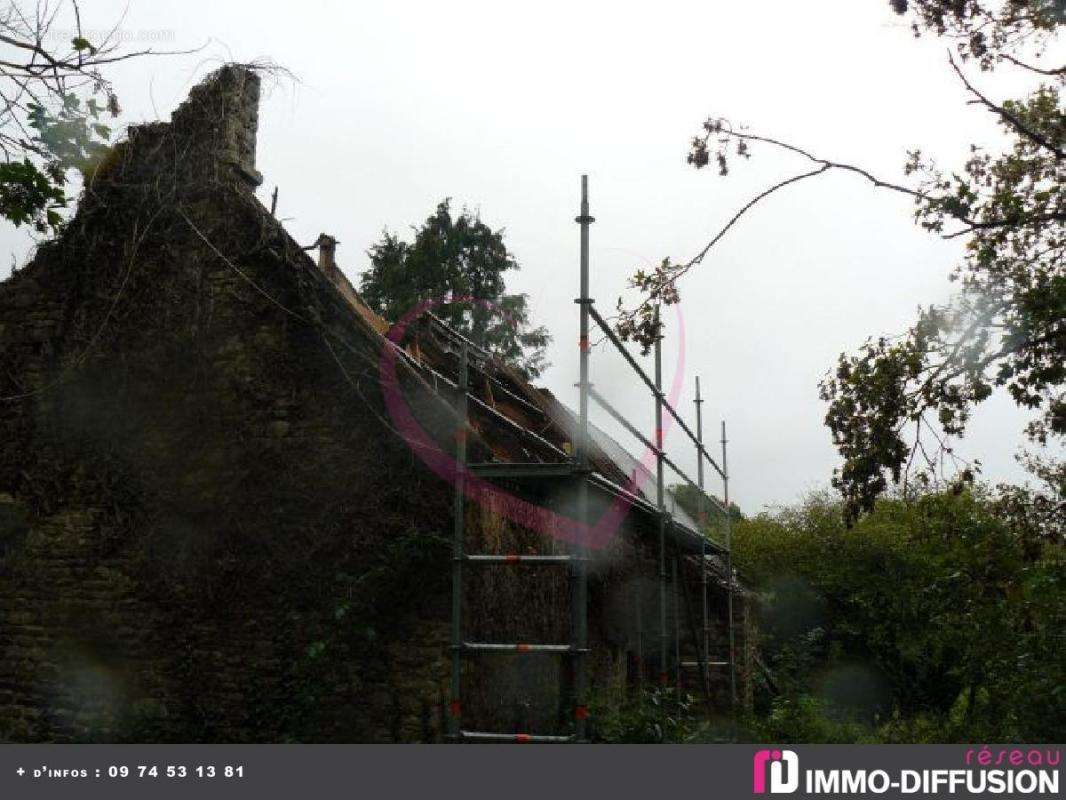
936,620
461,258
655,716
939,619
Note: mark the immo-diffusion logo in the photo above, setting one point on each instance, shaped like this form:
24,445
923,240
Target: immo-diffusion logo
784,771
1011,771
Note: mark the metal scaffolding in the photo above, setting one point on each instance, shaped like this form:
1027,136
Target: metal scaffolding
579,466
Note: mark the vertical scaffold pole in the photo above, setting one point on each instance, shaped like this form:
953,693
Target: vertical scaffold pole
640,633
660,498
729,572
702,517
677,630
458,544
579,600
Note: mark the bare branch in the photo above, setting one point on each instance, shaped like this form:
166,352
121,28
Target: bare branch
744,209
1057,72
750,137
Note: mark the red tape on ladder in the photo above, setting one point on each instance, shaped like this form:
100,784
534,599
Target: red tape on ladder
522,738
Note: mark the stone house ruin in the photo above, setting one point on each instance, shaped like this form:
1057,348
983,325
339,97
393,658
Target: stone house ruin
211,526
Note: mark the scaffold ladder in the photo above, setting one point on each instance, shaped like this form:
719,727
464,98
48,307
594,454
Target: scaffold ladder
579,466
577,649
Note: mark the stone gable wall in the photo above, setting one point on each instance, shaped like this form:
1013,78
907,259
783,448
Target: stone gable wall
209,530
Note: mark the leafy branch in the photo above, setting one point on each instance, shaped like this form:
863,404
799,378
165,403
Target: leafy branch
1007,326
54,107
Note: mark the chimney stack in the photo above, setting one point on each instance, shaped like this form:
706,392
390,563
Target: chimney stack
327,255
222,111
210,138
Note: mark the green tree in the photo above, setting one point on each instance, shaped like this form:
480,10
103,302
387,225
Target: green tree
945,613
895,404
55,100
461,258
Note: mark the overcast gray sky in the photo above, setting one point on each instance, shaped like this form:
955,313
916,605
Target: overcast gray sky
503,106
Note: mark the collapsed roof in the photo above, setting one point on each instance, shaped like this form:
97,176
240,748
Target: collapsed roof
538,428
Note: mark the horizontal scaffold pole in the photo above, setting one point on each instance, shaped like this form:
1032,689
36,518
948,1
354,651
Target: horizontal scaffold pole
517,738
517,647
632,430
621,348
514,558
